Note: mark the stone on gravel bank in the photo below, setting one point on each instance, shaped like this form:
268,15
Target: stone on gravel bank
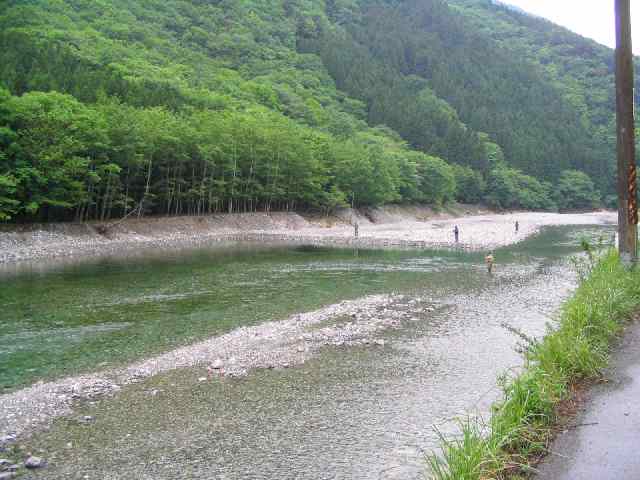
34,462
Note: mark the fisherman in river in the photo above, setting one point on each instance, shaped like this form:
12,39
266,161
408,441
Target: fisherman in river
517,226
456,233
489,261
356,229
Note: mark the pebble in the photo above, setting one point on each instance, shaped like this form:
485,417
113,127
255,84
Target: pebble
202,379
217,364
34,462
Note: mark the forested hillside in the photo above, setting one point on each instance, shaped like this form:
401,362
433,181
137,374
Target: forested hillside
117,107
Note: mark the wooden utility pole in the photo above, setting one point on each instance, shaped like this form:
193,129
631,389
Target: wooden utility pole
627,202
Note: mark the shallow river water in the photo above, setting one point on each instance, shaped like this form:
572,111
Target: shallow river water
362,412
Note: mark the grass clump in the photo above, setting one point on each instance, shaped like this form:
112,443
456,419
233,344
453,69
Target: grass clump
576,350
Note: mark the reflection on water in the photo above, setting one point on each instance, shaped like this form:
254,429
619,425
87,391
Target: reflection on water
353,413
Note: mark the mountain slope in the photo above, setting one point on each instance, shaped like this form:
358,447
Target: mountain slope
548,110
197,106
582,70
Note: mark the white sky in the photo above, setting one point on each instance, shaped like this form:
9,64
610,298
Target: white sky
589,18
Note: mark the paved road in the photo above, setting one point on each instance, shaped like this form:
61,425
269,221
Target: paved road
604,440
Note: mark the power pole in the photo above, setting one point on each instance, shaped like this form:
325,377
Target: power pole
627,202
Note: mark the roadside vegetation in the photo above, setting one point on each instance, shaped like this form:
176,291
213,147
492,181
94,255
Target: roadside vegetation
521,424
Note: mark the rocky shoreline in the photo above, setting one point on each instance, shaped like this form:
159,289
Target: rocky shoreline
403,228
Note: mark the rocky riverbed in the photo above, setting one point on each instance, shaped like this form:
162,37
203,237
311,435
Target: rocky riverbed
420,360
281,344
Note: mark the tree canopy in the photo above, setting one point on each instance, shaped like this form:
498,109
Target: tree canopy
187,107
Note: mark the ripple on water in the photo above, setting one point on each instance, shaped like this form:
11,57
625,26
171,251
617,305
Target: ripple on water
52,337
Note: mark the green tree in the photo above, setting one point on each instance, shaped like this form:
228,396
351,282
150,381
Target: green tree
470,186
575,190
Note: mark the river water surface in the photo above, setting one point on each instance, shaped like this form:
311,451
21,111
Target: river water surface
363,412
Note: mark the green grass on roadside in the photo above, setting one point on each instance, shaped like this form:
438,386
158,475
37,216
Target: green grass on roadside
578,349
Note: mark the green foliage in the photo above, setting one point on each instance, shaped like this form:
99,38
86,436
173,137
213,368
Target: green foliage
175,107
576,190
470,186
426,66
579,70
438,184
367,174
8,204
57,143
509,189
577,349
466,457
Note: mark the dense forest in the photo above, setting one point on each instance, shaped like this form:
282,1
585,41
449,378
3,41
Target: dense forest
111,108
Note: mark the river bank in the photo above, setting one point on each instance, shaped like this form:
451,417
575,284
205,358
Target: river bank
393,226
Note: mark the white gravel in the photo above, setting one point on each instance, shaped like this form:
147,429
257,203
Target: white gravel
277,344
405,230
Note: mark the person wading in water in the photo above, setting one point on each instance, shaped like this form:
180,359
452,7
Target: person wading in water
356,229
517,226
456,233
489,261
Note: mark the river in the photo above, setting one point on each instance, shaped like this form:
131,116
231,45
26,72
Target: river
363,411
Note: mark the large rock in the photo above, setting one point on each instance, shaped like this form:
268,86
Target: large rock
7,475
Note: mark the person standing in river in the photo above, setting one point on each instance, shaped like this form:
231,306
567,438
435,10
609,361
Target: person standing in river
456,233
517,226
356,228
489,259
